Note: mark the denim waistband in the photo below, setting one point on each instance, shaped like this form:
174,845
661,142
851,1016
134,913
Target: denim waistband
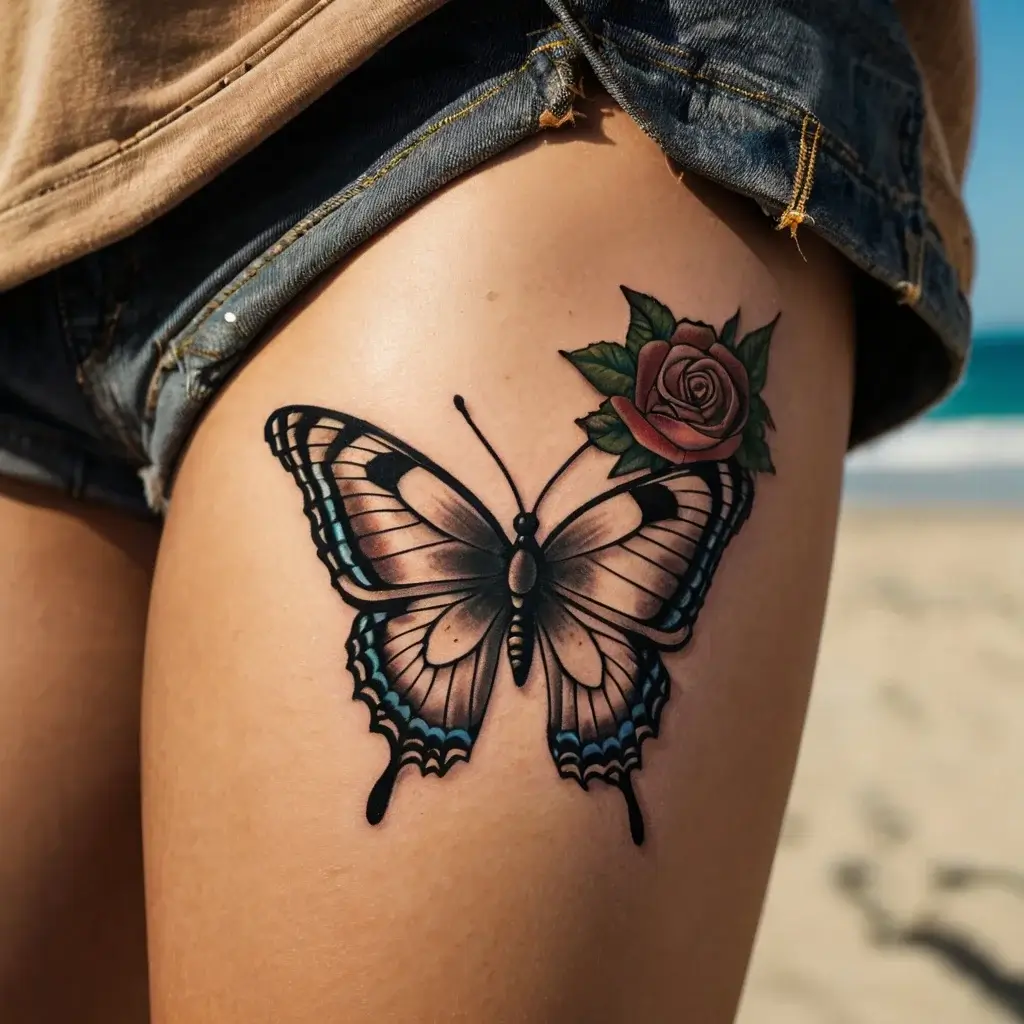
812,109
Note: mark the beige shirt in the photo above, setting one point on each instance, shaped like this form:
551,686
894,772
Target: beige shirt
112,111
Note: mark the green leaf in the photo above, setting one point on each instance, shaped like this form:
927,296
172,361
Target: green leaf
759,413
648,319
610,367
606,431
728,334
636,458
753,452
753,352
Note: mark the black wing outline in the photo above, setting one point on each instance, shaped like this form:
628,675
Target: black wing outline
606,699
425,696
288,431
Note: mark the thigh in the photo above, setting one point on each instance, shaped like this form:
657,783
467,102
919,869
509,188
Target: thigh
499,891
73,593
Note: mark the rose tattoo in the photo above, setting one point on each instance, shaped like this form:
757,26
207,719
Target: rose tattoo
692,397
678,391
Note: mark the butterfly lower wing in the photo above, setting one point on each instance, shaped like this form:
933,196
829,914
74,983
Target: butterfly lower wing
596,732
430,713
626,576
423,563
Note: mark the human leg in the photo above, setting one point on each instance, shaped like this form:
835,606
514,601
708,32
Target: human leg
499,892
73,595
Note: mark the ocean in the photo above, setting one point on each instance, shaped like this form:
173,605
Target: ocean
994,382
969,450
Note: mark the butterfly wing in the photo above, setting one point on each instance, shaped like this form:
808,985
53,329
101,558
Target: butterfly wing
387,521
425,565
625,578
429,712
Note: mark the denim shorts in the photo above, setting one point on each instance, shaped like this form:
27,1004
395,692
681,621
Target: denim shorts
813,109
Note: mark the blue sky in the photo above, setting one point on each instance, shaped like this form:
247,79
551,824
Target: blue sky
995,183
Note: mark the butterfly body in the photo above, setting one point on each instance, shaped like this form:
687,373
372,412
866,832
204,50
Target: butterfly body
524,572
440,591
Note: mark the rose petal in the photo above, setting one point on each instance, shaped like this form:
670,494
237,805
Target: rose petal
734,417
677,411
723,450
682,435
682,353
720,408
736,370
704,388
675,369
648,365
731,416
696,333
700,389
677,362
643,432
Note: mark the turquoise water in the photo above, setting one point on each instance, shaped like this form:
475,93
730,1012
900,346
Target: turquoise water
969,451
994,383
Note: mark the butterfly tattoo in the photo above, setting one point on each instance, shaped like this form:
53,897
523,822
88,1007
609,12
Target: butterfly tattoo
442,593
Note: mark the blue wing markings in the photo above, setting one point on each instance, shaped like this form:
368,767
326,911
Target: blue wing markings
598,733
342,538
620,753
433,748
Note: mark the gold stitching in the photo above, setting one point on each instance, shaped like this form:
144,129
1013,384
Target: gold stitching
801,164
844,151
803,180
549,120
555,44
699,76
910,294
761,97
795,214
812,166
910,291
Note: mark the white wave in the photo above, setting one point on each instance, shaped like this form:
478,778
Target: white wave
930,446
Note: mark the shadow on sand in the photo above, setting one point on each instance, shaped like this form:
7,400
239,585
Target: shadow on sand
956,950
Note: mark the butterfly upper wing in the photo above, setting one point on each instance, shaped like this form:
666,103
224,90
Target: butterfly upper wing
625,577
386,520
641,556
425,565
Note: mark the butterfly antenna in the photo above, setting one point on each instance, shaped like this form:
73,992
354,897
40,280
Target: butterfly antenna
460,404
558,472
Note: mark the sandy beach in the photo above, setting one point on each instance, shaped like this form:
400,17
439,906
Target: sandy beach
898,890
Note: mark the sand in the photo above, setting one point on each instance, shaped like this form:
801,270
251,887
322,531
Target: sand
898,889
